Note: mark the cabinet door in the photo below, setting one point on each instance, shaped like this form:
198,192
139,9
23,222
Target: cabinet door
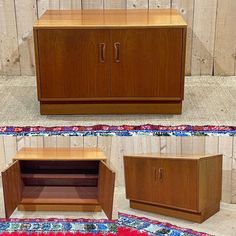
12,188
73,63
147,63
140,178
177,180
106,184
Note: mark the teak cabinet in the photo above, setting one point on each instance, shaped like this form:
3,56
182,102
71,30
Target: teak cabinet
58,179
110,61
187,186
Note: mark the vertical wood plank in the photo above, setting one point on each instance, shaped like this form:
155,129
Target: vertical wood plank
76,4
187,145
54,4
140,144
186,8
50,141
2,155
63,141
90,142
42,6
173,145
198,145
203,37
116,158
76,141
226,148
211,145
137,4
9,148
92,4
163,148
104,143
20,143
159,4
225,40
37,141
114,4
26,14
27,142
65,4
155,144
233,181
9,53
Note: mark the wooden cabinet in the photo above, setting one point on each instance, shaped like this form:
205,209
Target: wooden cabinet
110,61
187,186
58,179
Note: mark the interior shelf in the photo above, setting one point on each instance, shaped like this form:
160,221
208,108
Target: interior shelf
59,195
59,176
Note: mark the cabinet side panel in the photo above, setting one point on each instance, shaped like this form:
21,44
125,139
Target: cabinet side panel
183,61
210,182
12,188
35,32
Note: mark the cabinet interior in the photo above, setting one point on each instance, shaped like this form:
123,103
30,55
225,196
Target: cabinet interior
59,182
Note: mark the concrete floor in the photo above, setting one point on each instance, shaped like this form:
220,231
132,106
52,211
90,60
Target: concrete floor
221,224
208,100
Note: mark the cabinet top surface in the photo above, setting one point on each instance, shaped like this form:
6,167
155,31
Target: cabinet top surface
173,156
65,154
110,18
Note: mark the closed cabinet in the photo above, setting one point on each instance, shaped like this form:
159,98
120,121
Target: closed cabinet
187,186
168,182
124,62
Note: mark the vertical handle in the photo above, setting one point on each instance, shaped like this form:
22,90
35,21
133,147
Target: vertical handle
117,52
155,174
160,174
102,52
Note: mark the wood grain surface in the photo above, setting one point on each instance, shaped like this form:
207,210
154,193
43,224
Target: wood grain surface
12,188
106,184
175,186
205,19
111,18
65,154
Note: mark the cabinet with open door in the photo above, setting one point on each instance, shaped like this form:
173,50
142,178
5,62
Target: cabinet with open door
64,179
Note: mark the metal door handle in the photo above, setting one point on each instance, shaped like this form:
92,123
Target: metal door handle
117,52
102,52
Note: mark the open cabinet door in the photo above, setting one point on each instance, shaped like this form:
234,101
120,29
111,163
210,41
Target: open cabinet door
106,185
12,187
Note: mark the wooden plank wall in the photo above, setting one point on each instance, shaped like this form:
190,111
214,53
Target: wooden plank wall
211,40
116,147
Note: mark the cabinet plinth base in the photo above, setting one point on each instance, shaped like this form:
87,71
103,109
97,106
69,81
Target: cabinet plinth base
54,108
195,217
58,207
